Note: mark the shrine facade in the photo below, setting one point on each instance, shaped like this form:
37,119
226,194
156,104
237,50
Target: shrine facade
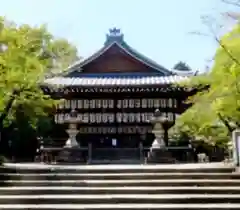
114,94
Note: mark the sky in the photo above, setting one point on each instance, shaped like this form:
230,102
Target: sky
163,30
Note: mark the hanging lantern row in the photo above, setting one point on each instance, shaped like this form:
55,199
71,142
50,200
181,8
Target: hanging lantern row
125,103
114,130
111,117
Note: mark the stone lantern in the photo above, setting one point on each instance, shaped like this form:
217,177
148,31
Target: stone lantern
159,152
159,130
71,152
72,130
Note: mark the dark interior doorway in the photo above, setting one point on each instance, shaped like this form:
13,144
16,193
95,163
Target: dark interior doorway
117,148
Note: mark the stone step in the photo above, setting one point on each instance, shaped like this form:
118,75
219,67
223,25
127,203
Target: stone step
126,183
120,198
117,176
102,169
120,187
117,190
197,206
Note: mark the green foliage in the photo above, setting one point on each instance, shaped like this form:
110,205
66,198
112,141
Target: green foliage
216,110
27,55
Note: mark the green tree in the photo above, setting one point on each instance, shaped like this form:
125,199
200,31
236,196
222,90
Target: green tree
216,109
27,55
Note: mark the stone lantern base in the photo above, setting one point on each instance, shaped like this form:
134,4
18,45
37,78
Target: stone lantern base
72,152
160,155
71,155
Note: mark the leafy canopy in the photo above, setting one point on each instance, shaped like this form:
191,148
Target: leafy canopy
27,55
216,110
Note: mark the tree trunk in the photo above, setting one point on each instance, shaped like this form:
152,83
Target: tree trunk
4,116
6,111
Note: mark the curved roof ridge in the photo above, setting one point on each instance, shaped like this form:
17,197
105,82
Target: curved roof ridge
76,66
145,58
115,37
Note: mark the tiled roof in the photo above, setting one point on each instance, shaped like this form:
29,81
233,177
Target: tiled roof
114,81
117,40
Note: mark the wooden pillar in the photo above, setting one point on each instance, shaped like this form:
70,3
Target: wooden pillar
89,152
165,136
141,152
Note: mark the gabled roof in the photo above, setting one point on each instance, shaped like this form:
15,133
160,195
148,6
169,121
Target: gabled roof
115,38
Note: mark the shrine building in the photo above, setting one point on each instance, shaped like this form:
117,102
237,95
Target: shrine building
115,93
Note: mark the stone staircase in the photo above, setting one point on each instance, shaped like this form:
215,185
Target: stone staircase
109,187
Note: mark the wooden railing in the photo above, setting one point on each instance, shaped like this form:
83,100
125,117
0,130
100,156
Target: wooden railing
90,155
55,155
124,155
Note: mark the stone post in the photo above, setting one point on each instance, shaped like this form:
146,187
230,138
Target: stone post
236,147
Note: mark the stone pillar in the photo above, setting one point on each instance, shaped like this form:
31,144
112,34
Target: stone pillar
236,147
72,132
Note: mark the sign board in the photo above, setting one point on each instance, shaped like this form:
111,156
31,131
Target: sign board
114,142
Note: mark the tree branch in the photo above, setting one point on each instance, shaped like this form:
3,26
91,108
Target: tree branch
226,123
222,45
8,107
234,3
